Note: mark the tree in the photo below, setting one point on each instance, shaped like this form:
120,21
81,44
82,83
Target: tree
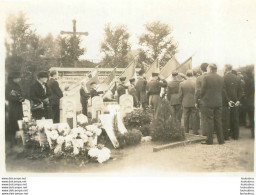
157,42
70,50
115,46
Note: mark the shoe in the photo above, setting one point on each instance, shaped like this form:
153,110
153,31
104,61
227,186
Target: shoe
221,143
226,139
206,143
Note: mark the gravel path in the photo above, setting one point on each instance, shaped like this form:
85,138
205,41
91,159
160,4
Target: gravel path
233,156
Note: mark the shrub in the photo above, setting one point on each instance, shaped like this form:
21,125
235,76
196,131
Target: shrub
132,137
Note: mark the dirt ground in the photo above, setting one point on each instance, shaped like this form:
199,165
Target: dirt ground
233,156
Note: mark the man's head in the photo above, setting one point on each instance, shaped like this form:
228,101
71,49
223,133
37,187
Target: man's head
15,77
42,76
155,76
204,67
228,68
132,81
175,73
141,72
212,68
93,85
54,74
122,79
189,73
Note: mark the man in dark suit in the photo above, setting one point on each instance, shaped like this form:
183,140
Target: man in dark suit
173,97
84,97
56,95
39,95
186,94
93,91
232,102
141,91
121,88
154,88
199,81
211,98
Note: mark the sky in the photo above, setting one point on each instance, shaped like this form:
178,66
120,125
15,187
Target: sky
214,31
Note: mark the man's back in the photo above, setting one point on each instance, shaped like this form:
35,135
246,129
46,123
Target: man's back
212,90
187,92
173,92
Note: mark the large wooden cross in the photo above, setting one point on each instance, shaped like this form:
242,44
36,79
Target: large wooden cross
74,33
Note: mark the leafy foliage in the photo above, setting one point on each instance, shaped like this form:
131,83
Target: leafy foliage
157,42
115,46
130,138
162,128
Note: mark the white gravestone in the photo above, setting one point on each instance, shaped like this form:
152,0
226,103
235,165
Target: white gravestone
126,105
97,106
68,111
26,109
115,110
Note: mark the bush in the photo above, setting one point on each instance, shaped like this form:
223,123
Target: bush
162,128
138,119
130,138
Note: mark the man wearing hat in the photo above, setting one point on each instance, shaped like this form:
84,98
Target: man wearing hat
121,88
187,94
199,81
39,95
93,91
173,97
154,89
15,97
132,92
211,98
141,91
56,95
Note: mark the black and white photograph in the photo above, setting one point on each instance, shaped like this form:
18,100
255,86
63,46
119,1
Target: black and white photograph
128,87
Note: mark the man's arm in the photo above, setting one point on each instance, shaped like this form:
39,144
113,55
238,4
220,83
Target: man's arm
57,89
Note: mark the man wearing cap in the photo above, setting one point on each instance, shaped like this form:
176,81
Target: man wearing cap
39,94
141,91
56,95
121,88
211,98
231,103
154,88
93,91
14,96
199,81
173,97
186,95
132,92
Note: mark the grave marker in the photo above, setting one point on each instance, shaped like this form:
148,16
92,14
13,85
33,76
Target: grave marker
68,111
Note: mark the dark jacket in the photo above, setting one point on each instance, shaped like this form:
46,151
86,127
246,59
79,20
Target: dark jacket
94,93
14,95
55,91
141,89
121,90
173,92
84,96
212,90
132,92
199,82
38,94
154,87
187,92
233,88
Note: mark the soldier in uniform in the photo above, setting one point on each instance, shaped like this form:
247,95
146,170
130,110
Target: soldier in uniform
39,95
231,102
141,91
84,97
93,91
211,98
132,92
121,88
199,81
154,88
186,95
173,97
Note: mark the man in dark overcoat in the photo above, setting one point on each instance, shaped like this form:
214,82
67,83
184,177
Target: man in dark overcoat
211,99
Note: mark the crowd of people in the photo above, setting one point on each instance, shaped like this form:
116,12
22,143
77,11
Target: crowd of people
205,101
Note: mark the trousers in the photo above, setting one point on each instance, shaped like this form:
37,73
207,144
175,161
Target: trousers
176,113
154,101
213,121
187,113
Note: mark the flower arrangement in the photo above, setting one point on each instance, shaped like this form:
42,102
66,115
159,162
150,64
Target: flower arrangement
100,153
